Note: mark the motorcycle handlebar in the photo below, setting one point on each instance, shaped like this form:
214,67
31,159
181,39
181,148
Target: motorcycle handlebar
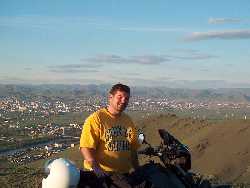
148,151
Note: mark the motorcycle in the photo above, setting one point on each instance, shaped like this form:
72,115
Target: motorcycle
171,172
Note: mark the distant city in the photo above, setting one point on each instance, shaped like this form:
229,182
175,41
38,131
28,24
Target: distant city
46,106
35,125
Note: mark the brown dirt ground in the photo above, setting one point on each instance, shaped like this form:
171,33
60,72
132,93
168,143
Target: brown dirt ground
220,149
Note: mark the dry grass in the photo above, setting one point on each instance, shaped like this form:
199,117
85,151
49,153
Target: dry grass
220,150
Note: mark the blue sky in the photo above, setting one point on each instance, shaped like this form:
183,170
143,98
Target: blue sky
150,43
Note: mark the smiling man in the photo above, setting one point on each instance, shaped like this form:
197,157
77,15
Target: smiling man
109,140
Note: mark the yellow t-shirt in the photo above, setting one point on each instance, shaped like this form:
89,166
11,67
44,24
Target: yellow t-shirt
112,137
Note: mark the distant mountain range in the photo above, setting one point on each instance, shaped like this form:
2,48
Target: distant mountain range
221,94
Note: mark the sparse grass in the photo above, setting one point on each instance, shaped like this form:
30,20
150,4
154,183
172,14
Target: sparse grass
69,117
19,176
30,175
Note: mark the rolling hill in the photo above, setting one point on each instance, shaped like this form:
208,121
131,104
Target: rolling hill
220,150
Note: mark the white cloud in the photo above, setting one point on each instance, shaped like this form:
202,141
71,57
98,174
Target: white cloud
73,68
142,60
49,79
56,22
223,20
230,34
197,56
45,22
150,29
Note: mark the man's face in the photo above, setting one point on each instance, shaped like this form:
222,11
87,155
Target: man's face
119,101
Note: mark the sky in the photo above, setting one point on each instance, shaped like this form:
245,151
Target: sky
137,42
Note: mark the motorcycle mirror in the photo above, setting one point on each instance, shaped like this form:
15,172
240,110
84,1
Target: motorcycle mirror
141,138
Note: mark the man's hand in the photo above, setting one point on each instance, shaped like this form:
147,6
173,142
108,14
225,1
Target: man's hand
98,171
89,156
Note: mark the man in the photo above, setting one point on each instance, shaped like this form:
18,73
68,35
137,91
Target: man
109,140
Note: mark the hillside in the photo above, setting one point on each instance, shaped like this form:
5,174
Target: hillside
219,149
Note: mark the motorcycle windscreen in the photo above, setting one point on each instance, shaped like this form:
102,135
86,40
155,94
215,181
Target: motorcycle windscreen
166,137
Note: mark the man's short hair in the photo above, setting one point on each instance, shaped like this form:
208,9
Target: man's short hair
119,87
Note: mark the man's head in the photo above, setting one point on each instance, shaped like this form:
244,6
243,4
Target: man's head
118,98
119,87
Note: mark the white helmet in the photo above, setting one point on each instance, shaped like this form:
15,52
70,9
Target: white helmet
61,174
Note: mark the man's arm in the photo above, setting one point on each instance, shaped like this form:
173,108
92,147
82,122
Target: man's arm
89,157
